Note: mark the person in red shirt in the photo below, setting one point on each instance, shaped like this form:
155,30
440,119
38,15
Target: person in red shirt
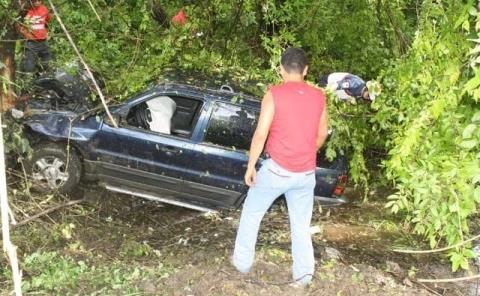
35,32
292,127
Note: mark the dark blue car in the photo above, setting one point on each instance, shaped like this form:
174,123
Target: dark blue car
174,143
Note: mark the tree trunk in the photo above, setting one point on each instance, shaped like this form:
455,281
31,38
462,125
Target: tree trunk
7,69
402,41
159,14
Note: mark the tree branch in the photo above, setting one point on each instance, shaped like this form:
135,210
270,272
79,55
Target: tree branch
94,10
437,250
48,211
97,88
450,280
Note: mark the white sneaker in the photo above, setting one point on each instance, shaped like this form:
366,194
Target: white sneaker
230,258
299,285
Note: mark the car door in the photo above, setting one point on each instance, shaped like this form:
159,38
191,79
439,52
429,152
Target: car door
135,157
219,159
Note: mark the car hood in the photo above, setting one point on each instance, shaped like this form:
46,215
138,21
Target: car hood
63,124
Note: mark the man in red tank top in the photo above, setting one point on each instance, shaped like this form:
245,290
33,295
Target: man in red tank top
293,125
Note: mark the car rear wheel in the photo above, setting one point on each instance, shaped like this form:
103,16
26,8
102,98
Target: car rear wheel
52,168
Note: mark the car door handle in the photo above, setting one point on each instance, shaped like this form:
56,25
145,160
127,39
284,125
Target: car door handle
168,149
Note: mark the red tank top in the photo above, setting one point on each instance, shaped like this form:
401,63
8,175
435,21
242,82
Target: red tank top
292,141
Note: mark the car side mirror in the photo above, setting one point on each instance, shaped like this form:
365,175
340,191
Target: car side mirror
108,121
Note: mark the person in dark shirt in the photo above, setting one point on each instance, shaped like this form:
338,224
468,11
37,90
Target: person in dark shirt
346,86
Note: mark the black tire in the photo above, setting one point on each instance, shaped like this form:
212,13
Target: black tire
53,169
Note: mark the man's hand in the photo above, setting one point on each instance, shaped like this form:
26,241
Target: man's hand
250,177
259,137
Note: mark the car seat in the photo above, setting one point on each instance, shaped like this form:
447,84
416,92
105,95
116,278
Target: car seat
161,112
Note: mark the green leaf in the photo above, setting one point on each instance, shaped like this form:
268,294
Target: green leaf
476,194
464,263
395,208
390,203
476,117
466,25
453,208
472,83
468,131
468,144
469,253
456,261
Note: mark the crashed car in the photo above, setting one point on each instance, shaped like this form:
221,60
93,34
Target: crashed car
175,143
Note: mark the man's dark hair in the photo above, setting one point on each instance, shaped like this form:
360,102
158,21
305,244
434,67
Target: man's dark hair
294,60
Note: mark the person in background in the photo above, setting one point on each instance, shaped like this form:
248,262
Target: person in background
293,125
35,32
180,19
346,86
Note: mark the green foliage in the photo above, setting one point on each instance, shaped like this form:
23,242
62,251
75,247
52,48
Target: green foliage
14,138
351,135
429,113
50,272
242,41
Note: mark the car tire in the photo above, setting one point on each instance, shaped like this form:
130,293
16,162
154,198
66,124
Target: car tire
52,169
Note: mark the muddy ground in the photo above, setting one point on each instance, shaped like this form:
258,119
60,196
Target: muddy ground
183,252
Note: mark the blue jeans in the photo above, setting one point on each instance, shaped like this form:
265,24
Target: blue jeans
273,181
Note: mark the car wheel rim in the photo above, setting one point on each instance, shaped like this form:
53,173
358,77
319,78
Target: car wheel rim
50,172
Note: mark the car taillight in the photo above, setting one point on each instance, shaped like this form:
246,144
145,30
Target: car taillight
341,183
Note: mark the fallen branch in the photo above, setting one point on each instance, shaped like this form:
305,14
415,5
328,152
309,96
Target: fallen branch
437,250
460,279
431,290
48,211
90,74
12,217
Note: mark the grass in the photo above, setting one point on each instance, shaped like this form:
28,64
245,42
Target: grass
53,273
130,247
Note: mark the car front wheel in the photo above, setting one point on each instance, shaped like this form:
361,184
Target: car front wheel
52,168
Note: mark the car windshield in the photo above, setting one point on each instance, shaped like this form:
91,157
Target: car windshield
100,110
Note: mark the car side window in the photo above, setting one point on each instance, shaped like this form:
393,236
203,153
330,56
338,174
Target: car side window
231,126
173,115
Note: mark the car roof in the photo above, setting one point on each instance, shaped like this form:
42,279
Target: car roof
223,93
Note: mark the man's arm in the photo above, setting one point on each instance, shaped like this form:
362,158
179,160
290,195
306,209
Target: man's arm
22,29
322,128
260,136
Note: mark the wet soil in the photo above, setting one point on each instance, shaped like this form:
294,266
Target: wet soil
353,249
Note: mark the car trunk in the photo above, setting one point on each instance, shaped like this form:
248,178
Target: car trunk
331,175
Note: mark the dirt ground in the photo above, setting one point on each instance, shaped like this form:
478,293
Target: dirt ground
353,250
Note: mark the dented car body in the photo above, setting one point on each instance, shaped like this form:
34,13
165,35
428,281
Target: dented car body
199,164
